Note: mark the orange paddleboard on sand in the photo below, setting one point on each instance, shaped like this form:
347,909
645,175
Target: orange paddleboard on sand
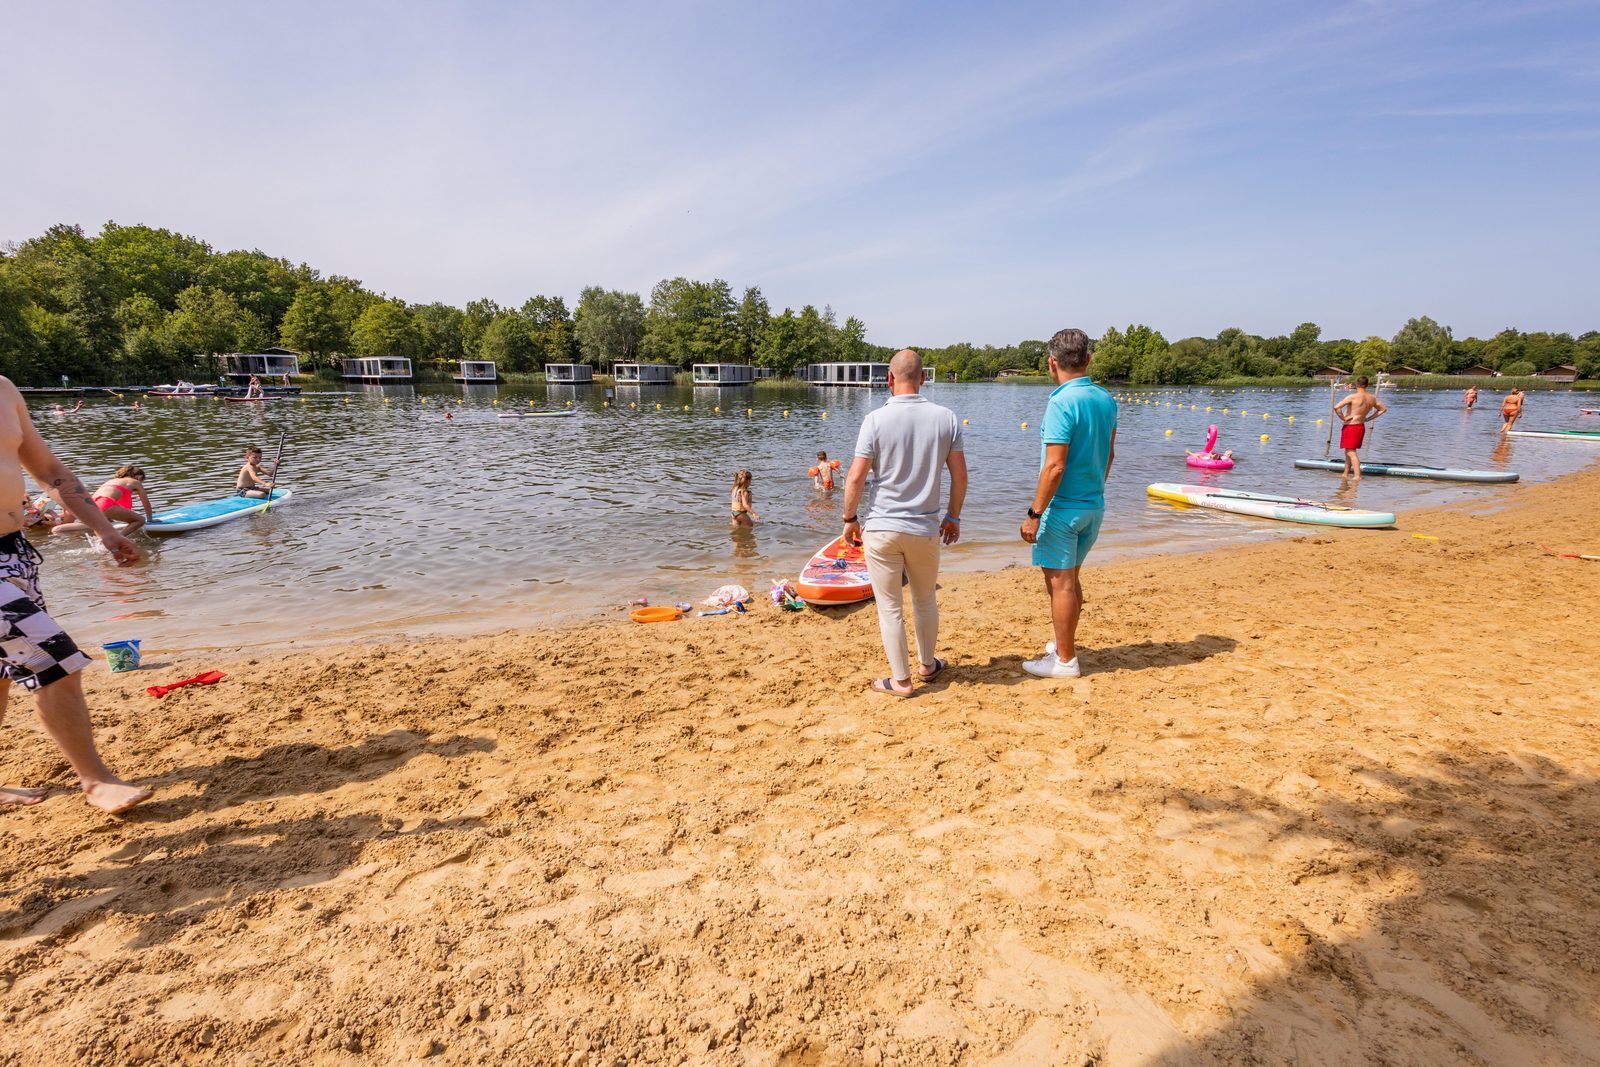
837,574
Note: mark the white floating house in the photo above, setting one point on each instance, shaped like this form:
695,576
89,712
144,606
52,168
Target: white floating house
478,372
847,373
930,375
273,363
765,372
568,373
380,369
724,374
644,373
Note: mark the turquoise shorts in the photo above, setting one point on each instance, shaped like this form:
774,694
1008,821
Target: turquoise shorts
1065,537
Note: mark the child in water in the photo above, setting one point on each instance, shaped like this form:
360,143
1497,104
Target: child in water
824,476
742,503
255,478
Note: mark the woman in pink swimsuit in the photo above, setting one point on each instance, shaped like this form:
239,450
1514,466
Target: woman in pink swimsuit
116,499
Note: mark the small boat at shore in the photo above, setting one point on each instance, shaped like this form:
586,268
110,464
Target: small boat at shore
1410,470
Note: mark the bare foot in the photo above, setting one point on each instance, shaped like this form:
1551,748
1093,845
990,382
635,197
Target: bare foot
114,796
20,797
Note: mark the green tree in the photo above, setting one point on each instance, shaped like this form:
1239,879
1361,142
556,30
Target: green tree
1112,358
441,331
1421,343
549,327
751,324
478,316
158,263
311,328
853,341
691,322
1372,356
263,285
204,321
610,325
1147,346
250,333
1587,357
384,329
507,343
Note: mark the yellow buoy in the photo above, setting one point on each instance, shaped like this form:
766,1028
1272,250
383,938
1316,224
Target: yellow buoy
1319,422
1289,419
1264,415
569,403
347,400
1264,437
824,414
749,411
965,422
786,414
633,404
424,400
1169,433
496,403
686,407
1024,426
716,411
658,407
1225,411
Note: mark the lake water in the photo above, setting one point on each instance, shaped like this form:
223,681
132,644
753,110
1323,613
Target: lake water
403,522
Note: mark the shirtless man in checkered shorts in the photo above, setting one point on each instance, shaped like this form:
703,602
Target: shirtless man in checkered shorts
34,651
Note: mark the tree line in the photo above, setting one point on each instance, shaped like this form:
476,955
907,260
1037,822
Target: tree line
139,304
1142,356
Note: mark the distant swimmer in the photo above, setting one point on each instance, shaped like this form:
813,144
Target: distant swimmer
1355,411
34,651
116,498
254,479
1472,397
1511,410
59,410
741,501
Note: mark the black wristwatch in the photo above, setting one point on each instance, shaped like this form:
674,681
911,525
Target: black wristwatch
1033,514
850,518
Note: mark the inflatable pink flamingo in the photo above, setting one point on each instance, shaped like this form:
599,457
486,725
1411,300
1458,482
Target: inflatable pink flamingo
1209,460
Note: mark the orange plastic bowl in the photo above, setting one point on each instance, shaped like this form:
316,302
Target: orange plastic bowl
655,614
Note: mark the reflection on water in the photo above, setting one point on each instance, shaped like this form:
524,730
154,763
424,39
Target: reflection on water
403,521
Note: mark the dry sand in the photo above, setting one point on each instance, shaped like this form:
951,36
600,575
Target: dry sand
1324,800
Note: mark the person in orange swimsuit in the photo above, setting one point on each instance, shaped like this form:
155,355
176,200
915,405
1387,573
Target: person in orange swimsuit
1511,410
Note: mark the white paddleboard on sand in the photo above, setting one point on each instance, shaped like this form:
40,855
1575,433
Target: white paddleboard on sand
1265,506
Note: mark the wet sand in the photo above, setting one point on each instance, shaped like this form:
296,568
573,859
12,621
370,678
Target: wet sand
1323,800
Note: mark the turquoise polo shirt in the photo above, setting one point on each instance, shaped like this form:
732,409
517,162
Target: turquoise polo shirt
1082,416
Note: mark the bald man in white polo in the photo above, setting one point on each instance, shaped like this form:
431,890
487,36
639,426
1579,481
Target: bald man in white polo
906,445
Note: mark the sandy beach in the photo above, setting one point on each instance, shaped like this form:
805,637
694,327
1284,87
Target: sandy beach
1329,799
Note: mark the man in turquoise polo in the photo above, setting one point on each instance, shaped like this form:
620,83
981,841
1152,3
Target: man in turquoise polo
1078,441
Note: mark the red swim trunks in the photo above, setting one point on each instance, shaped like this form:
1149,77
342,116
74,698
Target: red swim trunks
1352,436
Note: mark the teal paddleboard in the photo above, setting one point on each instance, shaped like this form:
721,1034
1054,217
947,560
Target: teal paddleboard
1411,470
213,512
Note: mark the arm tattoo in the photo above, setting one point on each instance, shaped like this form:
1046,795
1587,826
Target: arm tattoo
71,486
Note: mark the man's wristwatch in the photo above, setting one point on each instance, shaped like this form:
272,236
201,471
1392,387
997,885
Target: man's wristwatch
1033,514
850,518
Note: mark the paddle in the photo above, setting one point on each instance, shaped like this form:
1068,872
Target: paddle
276,460
1568,555
1333,387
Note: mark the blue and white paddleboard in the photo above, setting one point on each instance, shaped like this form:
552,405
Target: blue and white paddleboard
1411,470
213,512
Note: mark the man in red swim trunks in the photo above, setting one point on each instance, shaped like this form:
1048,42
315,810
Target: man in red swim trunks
1355,411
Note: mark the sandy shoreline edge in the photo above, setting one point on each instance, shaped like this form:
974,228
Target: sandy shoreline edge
1273,822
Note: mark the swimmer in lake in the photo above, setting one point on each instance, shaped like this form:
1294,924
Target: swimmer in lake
116,498
742,502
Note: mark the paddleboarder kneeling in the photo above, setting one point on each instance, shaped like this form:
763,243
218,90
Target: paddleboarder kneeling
1355,411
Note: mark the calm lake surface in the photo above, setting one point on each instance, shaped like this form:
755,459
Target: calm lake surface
404,523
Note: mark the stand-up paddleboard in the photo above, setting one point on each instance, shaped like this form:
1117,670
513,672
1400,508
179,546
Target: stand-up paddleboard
252,399
213,512
1589,411
1265,506
1560,435
537,414
837,574
1411,470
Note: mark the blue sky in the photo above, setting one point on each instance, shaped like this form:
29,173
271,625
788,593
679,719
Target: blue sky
945,171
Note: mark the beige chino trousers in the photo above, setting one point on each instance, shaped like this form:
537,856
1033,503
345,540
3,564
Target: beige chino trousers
889,555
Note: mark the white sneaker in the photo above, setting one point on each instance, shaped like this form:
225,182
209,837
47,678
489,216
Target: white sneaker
1048,666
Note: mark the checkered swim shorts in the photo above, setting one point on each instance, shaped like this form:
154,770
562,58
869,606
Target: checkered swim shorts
34,650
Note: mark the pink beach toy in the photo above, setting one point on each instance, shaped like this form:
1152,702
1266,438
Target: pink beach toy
1209,460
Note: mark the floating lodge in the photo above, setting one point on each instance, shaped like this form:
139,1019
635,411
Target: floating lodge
477,372
568,373
868,374
724,374
644,373
273,363
384,370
